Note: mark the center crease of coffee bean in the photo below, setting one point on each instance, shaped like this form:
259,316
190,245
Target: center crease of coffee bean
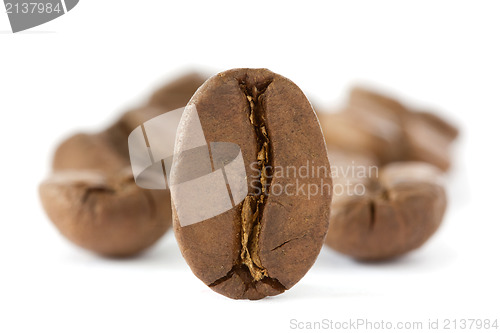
253,205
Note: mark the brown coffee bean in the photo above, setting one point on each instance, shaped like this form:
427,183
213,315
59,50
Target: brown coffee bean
264,243
104,213
365,135
374,123
349,169
402,206
361,99
427,137
92,198
173,95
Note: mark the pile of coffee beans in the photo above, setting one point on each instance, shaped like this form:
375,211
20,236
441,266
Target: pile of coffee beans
254,189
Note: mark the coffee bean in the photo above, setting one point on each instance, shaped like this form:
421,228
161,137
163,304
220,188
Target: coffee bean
375,123
92,198
363,134
177,93
106,213
427,137
266,240
401,208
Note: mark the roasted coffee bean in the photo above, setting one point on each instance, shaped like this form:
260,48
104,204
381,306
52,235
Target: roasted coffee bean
349,169
92,198
364,135
105,213
264,244
427,137
374,123
401,207
173,95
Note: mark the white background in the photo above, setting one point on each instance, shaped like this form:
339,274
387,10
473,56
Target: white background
79,71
